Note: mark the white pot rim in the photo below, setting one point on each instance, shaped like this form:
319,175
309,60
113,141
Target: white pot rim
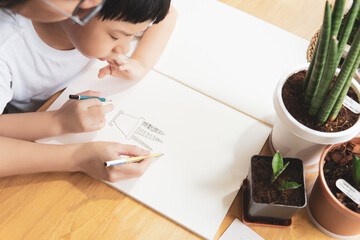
302,131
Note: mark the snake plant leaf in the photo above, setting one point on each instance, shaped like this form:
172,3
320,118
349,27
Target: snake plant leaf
311,66
356,170
277,174
334,100
348,26
336,17
289,185
320,56
330,69
337,107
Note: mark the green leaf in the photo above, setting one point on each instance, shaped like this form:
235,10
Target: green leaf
327,77
356,169
289,185
276,174
321,56
311,67
348,26
342,84
277,162
336,18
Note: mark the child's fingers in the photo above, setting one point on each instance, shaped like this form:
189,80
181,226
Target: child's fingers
120,60
89,103
131,170
90,93
131,150
96,116
119,63
104,71
112,63
122,63
107,108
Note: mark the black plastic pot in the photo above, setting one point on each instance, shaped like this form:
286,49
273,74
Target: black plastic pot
272,212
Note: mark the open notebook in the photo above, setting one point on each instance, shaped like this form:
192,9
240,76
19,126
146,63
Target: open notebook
216,51
206,145
230,55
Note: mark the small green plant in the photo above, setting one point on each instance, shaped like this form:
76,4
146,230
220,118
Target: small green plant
356,170
278,167
326,99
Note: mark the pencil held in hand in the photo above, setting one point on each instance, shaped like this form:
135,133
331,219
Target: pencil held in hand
130,160
79,97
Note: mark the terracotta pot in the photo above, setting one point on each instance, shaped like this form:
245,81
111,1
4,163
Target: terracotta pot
326,212
295,140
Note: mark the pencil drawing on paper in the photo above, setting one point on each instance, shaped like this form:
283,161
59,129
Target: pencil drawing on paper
136,129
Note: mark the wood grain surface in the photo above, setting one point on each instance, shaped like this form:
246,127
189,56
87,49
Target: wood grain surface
75,206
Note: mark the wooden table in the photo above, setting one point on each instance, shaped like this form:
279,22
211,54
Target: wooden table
75,206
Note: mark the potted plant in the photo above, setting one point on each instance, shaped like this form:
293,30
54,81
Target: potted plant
275,192
330,209
308,100
351,38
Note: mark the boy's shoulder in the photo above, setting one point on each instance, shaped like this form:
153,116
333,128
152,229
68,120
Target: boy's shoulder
11,25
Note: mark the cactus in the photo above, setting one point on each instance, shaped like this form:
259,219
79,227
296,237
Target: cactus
325,102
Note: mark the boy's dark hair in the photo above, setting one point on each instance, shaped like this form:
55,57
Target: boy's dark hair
135,11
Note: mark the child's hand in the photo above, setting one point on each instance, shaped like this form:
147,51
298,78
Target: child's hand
90,158
123,67
83,115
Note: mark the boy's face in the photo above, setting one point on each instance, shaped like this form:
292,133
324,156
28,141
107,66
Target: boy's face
103,40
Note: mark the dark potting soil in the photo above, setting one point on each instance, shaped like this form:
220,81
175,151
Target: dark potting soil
338,164
293,97
266,192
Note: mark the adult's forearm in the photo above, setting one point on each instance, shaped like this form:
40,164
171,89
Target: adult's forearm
29,126
23,157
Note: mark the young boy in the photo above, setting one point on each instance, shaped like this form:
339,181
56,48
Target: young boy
37,59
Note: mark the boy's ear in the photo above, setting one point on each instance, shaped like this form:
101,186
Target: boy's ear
90,3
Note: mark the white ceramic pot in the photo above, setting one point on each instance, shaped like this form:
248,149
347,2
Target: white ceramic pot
295,140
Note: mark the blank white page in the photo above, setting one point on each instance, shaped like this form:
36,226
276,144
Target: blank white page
206,145
230,55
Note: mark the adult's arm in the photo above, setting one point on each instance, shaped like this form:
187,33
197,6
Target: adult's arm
23,157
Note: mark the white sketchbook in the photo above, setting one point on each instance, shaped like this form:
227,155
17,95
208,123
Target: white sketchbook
206,145
230,55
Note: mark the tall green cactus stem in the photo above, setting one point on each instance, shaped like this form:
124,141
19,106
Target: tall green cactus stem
336,17
343,79
343,21
320,56
329,71
336,109
311,66
335,26
349,24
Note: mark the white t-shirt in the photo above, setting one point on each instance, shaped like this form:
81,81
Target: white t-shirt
30,70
